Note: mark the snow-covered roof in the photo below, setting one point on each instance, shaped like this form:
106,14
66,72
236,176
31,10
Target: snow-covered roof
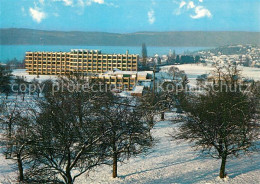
138,89
120,72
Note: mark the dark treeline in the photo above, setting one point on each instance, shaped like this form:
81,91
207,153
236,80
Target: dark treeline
185,59
13,64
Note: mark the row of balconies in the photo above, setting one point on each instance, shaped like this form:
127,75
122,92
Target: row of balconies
80,56
105,58
102,61
109,65
77,67
79,53
51,63
80,64
95,68
47,59
40,66
79,60
101,64
104,55
53,70
47,54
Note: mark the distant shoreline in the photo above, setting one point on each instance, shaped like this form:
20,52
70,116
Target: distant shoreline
16,36
18,51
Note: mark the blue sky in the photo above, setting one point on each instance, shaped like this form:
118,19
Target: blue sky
125,16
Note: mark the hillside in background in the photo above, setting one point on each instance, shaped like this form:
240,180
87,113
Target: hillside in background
14,36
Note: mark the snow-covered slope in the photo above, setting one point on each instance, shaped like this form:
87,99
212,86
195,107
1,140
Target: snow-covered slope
168,162
7,169
194,70
26,76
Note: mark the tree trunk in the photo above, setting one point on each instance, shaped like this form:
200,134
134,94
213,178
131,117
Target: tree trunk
68,175
69,179
20,168
162,115
115,165
223,167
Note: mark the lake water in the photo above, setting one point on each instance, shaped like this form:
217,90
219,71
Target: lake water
18,51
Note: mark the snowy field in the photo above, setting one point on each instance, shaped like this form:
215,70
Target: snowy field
166,163
27,77
169,162
194,70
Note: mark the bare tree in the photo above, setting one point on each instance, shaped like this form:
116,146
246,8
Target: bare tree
21,86
68,136
128,132
16,125
223,123
148,106
5,80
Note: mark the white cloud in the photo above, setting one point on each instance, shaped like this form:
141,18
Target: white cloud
112,4
201,12
190,5
99,1
37,15
89,2
66,2
183,3
83,3
151,17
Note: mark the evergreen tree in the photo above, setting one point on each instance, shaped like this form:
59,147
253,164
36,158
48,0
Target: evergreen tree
144,54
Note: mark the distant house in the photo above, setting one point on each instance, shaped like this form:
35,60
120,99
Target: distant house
125,80
137,91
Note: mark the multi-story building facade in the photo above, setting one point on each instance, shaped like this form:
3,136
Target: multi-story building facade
117,70
78,61
125,80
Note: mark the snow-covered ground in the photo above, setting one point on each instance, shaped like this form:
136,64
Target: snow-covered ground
168,162
194,70
7,170
26,76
